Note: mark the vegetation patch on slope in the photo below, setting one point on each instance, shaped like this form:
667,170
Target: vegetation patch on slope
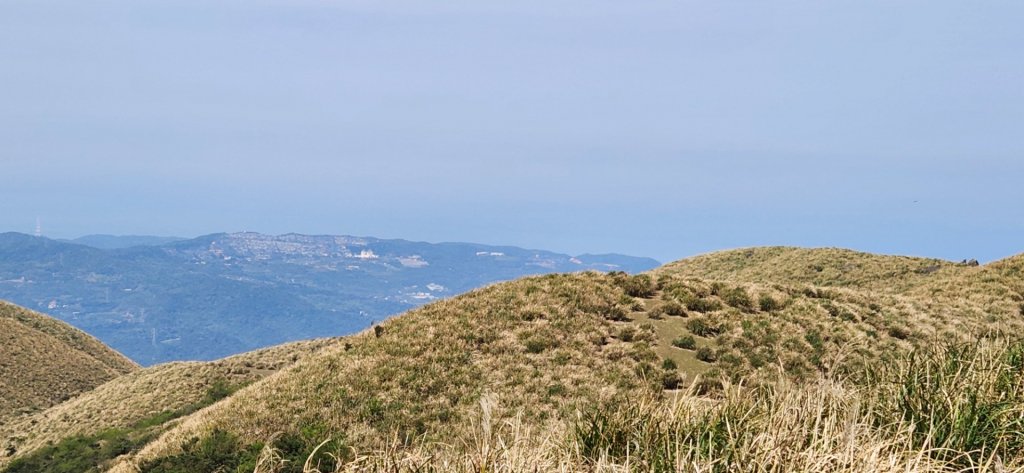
94,452
951,407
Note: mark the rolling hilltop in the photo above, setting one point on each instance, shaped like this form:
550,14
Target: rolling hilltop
44,361
159,300
113,242
833,267
765,359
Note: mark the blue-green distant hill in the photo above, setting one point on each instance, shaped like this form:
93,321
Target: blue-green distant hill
113,242
216,295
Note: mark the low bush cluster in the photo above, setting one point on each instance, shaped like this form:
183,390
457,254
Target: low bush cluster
640,285
686,342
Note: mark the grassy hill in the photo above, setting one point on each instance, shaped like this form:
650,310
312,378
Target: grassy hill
817,266
751,360
44,361
132,409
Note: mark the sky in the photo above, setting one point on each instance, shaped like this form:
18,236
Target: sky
654,128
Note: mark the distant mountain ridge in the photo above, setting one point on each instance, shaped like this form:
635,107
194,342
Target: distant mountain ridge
112,242
221,294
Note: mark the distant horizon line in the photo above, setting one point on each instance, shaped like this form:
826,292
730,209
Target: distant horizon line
497,245
276,235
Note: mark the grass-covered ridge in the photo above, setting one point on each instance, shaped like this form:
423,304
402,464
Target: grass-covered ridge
44,361
143,396
96,451
541,352
835,267
546,344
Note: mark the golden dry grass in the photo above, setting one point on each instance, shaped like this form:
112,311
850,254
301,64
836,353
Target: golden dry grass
44,361
812,427
833,267
545,343
141,394
552,345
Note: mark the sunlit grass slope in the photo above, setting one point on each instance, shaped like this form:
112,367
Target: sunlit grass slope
817,266
145,402
545,346
534,358
44,361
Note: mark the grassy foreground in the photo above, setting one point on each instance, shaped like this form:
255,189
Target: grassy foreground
955,407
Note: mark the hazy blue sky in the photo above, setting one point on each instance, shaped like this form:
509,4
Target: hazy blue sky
645,127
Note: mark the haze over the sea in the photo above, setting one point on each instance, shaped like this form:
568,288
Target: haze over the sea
657,128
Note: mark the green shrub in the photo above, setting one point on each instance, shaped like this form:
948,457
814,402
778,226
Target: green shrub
701,327
756,359
727,358
640,285
218,451
671,380
737,297
633,304
79,453
686,343
702,305
668,364
768,304
220,389
646,333
674,308
222,451
642,351
706,354
614,313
